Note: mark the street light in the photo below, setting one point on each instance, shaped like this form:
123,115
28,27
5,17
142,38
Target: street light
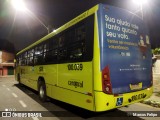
140,3
19,5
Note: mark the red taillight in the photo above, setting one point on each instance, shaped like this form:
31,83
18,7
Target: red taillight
106,83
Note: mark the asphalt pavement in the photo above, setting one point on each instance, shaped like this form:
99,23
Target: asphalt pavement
24,99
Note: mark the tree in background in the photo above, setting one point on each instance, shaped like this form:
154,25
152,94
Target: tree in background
156,51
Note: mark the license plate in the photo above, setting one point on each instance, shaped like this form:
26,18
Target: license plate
137,97
136,86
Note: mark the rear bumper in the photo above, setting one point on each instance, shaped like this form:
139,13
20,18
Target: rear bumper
105,102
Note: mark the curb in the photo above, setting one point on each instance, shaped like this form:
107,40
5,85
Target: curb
151,103
6,76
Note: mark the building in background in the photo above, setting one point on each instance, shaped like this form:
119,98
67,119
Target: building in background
6,63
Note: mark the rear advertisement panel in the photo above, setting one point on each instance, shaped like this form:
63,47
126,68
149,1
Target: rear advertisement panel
125,49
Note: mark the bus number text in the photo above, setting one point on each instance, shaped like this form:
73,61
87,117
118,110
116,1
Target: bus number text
75,66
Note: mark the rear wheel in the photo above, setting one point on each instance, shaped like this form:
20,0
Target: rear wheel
42,91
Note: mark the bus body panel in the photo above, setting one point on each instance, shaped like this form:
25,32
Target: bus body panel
105,102
76,76
96,59
74,84
48,72
124,49
70,86
73,97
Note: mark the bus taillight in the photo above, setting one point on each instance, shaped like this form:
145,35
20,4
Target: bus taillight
106,83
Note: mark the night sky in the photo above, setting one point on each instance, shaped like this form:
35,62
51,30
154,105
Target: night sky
22,29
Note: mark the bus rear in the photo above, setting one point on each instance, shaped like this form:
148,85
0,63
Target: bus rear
125,75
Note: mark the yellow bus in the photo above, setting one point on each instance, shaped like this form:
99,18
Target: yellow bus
98,61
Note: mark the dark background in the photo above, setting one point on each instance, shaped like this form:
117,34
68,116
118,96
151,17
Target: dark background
21,29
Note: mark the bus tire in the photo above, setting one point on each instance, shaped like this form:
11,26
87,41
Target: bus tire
42,91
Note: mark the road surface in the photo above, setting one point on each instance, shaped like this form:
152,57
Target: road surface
15,98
